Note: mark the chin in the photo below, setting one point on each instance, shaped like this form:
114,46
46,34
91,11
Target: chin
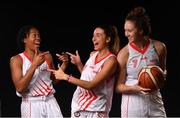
96,49
37,47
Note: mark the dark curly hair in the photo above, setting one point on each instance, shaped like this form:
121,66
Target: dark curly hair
22,34
141,19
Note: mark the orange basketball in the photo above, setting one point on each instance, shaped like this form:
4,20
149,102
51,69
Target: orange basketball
151,77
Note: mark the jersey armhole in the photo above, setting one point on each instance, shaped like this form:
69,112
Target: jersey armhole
21,57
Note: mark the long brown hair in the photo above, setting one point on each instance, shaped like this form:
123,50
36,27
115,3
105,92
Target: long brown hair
112,32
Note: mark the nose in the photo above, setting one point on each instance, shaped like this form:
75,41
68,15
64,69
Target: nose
126,34
38,38
93,39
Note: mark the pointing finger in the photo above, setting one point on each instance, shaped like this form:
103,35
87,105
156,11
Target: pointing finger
77,53
51,70
70,54
44,53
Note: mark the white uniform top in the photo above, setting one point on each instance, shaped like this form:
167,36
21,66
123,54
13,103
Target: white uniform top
139,59
98,99
41,84
139,105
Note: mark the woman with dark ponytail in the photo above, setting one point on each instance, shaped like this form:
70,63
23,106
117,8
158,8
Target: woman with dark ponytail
93,96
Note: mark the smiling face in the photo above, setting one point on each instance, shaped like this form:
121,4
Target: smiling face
32,40
100,40
131,31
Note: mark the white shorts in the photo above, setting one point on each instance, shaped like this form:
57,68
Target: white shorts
89,114
138,105
39,107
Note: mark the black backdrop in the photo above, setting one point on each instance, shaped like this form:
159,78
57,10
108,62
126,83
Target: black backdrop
70,28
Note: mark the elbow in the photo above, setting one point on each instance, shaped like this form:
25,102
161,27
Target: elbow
20,89
89,87
119,88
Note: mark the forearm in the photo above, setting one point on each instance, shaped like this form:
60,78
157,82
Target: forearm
64,65
80,67
82,83
23,83
125,89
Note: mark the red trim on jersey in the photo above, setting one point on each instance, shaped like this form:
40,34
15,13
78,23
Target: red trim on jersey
42,93
91,95
88,94
37,94
45,84
31,92
21,57
43,87
142,51
48,63
97,61
26,55
83,97
88,100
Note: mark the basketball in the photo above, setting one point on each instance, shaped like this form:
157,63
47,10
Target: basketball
151,77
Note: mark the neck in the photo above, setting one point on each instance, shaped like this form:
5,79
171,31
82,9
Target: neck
103,52
30,53
141,43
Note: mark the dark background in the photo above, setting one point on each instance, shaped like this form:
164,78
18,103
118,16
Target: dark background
69,27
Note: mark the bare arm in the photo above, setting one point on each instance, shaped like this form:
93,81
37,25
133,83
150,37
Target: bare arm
21,82
107,71
162,53
122,58
75,59
64,58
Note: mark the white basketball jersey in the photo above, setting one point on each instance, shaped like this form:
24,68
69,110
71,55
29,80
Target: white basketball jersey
98,99
139,59
140,105
41,84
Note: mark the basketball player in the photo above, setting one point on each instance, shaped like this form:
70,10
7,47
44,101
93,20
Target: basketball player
138,53
93,96
31,78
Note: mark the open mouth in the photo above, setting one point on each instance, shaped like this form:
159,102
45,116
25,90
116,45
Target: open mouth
37,44
96,44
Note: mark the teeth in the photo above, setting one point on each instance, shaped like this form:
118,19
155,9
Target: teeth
37,42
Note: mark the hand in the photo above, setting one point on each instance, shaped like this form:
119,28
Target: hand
63,57
59,74
75,59
39,58
142,90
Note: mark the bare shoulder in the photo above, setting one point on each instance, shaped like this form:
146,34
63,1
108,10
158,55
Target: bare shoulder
122,56
92,53
113,59
160,46
123,53
15,59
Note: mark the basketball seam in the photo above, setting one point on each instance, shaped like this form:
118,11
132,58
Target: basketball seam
153,79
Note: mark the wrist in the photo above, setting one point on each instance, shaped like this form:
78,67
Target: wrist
69,77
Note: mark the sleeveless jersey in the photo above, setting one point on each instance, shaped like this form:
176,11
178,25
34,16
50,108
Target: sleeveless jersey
139,59
150,105
98,99
41,84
